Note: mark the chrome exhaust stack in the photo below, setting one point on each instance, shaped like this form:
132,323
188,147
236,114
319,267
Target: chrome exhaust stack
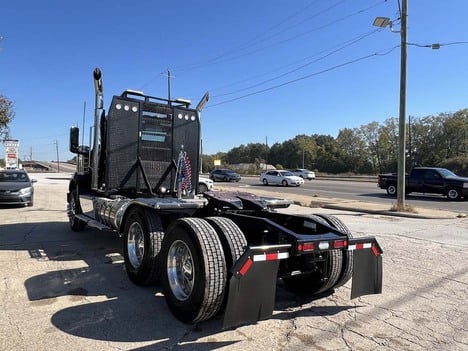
98,111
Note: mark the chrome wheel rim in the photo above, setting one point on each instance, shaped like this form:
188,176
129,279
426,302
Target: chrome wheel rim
135,244
453,194
71,210
180,270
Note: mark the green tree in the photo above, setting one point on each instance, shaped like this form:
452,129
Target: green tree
355,156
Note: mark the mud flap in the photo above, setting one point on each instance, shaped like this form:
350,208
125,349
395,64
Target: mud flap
252,287
367,271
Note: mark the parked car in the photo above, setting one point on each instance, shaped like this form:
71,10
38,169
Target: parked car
224,175
16,188
285,178
204,184
304,173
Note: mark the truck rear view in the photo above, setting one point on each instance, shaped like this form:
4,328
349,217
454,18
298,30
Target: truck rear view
212,252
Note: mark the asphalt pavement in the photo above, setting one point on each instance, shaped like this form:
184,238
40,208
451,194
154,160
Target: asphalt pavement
62,290
353,205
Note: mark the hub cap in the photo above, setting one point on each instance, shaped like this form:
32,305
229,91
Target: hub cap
180,271
135,244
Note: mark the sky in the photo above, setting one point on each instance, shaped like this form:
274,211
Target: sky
273,69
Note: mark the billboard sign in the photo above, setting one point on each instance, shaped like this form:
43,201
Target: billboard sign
11,153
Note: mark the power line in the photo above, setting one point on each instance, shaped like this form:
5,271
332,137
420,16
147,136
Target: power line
260,38
345,45
306,77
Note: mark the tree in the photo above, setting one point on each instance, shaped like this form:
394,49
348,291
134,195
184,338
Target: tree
353,151
6,116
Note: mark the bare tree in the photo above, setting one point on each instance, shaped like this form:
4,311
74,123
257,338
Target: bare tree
6,116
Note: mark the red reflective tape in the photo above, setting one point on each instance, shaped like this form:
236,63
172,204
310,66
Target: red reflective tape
375,250
272,256
359,246
245,267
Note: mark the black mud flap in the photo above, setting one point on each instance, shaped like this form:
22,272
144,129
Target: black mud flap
367,271
252,287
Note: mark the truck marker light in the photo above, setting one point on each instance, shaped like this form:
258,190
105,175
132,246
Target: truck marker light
305,247
323,245
339,244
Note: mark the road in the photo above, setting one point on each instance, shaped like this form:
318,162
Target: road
61,290
354,190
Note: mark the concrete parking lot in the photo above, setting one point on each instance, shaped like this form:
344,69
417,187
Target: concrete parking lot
61,290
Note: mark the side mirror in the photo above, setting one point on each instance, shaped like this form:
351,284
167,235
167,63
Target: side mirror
74,139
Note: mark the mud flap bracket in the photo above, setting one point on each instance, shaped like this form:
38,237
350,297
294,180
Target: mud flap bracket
252,286
367,267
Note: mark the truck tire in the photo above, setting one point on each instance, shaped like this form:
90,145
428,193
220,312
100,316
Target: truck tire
74,208
347,268
454,194
324,279
233,242
232,239
391,190
202,188
143,234
193,270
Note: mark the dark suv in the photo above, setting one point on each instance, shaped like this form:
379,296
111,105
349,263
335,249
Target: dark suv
224,175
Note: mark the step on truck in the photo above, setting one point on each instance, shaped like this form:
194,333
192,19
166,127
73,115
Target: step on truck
212,253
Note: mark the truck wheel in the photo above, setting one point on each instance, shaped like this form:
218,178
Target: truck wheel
322,280
232,239
74,208
233,242
143,234
325,278
453,194
194,270
391,190
202,188
347,268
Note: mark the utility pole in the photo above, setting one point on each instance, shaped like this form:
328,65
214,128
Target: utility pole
169,86
58,160
402,116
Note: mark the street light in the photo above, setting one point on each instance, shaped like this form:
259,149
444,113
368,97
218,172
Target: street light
384,22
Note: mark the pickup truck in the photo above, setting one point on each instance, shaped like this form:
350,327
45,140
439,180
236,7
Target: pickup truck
429,180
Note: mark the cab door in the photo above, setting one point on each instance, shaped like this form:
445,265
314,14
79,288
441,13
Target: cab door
433,182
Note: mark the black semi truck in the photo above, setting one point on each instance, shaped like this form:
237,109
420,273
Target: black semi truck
212,252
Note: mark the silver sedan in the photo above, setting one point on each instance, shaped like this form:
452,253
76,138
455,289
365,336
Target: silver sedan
284,178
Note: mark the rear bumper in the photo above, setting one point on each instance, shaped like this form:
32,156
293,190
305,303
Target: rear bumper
252,287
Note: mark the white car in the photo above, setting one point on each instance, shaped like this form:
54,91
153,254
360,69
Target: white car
284,178
304,173
204,184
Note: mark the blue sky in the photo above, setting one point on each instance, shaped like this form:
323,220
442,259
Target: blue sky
274,69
